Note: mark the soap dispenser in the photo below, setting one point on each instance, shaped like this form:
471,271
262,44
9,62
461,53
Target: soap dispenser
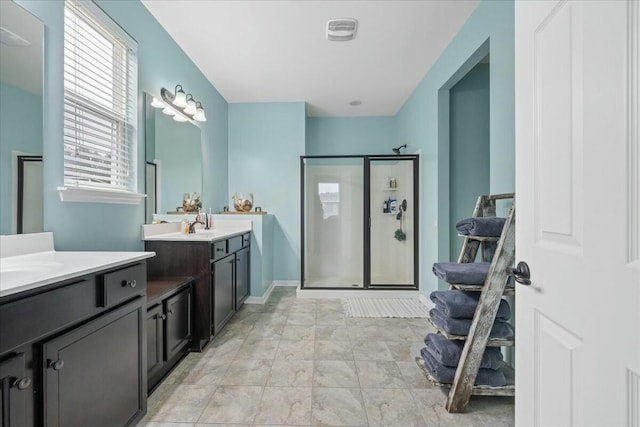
184,225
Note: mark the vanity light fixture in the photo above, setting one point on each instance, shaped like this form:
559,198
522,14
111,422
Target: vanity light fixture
156,103
190,109
168,111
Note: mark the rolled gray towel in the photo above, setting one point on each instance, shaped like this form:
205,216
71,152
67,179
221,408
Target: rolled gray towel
446,374
462,304
447,352
470,273
481,226
461,326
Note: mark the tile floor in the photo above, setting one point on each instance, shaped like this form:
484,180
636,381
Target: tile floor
301,362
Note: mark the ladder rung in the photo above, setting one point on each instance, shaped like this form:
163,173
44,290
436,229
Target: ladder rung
508,291
493,342
478,390
480,238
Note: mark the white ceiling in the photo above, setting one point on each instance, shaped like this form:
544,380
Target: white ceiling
21,66
276,51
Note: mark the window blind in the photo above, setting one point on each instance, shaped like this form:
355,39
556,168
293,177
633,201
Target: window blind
100,100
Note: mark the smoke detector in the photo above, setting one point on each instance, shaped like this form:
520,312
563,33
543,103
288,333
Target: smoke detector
342,29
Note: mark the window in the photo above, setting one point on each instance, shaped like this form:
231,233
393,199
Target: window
100,106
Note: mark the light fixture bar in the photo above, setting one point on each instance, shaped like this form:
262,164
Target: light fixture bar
188,108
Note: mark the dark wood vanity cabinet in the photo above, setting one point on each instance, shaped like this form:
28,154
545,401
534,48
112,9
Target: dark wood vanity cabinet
213,266
169,325
242,266
224,305
74,352
15,387
92,373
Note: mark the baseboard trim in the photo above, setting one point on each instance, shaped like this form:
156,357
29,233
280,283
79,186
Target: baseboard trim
350,293
263,299
293,283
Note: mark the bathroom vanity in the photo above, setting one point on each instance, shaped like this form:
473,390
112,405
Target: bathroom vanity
218,261
72,334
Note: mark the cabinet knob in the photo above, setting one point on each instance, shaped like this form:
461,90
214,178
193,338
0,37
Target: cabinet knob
130,283
219,249
22,383
171,311
163,316
57,365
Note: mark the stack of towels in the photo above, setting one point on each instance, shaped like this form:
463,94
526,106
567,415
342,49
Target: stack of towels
453,313
454,310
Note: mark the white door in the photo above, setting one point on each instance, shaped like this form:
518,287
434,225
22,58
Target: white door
578,207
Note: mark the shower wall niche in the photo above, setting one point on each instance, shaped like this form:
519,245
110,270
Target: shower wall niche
359,222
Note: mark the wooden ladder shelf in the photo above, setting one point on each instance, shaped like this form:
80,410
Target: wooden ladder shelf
501,253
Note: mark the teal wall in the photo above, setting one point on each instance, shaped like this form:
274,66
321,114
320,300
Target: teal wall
350,135
468,148
20,112
266,141
423,123
161,63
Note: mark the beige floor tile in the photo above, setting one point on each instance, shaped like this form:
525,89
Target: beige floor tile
337,407
232,404
375,374
391,407
295,350
412,375
258,349
333,350
335,373
371,350
295,332
266,332
291,373
247,372
285,405
302,318
184,404
404,351
332,333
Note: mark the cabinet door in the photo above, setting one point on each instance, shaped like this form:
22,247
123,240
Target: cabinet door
95,375
242,276
155,338
178,327
223,299
14,387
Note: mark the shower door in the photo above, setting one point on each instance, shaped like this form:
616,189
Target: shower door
332,222
393,214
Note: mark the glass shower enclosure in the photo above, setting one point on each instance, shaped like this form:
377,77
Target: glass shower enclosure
359,222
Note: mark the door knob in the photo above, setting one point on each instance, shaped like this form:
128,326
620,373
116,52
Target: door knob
521,273
57,365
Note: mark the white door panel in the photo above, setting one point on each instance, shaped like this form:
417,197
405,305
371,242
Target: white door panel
578,324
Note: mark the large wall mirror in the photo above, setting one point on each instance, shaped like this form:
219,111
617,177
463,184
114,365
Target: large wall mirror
21,65
174,161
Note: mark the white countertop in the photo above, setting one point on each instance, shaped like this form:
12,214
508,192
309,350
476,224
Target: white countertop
25,272
166,232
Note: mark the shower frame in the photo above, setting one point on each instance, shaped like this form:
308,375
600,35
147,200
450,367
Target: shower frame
414,158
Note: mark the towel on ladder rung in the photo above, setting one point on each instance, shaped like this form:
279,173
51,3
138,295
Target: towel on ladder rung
447,352
481,226
470,273
461,326
462,304
446,374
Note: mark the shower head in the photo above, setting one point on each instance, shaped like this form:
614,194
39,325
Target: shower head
397,150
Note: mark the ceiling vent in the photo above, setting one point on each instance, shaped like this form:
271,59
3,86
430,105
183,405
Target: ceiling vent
342,29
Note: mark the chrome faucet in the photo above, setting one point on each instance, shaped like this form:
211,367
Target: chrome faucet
192,226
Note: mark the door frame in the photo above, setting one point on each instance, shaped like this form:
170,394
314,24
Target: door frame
366,255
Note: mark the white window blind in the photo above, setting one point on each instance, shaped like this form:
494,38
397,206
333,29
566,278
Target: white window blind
100,100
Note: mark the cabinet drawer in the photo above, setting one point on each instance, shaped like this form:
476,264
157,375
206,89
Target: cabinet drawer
33,317
246,240
219,249
124,284
235,244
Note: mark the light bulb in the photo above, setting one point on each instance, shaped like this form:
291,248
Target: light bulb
199,115
168,111
179,118
156,103
191,107
180,100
